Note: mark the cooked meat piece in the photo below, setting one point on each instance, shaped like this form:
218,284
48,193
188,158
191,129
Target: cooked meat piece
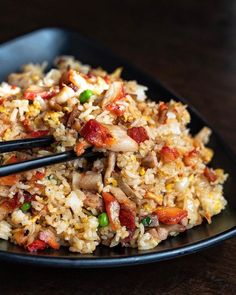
128,190
89,180
150,161
72,116
123,143
93,201
122,198
110,165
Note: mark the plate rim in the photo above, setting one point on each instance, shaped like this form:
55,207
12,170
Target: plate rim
142,257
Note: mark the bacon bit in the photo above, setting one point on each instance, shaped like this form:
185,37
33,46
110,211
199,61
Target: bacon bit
96,134
170,215
210,174
127,218
116,109
80,148
38,133
168,154
9,180
30,95
112,209
191,158
10,204
162,113
36,245
139,134
49,238
26,124
1,101
39,175
107,79
13,87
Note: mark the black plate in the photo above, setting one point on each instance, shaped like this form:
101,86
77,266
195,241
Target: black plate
46,44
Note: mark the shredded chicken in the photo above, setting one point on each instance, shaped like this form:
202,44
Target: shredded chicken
89,180
110,165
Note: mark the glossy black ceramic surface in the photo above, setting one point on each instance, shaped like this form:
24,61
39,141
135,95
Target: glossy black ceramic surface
45,45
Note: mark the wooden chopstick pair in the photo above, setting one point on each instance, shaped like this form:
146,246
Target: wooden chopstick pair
29,143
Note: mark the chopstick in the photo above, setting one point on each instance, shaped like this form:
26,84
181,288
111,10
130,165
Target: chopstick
44,161
27,143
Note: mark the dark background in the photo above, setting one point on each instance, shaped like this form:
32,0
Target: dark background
190,46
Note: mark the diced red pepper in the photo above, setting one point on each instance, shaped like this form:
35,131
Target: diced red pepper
191,158
127,218
38,133
36,245
116,109
170,215
96,134
139,134
162,113
210,174
168,154
112,209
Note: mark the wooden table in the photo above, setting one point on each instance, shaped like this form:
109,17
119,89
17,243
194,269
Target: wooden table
190,46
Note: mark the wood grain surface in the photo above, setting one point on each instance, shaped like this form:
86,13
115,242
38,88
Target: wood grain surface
191,47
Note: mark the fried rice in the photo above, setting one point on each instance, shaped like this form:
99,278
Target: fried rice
151,181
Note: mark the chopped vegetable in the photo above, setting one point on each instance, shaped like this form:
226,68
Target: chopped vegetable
139,134
25,207
103,219
112,209
96,134
85,96
170,215
146,221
